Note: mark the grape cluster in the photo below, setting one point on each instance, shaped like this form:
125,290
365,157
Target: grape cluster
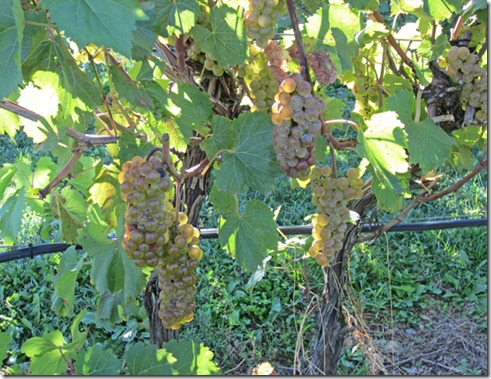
296,116
364,88
463,66
258,79
145,187
260,19
331,196
207,59
177,277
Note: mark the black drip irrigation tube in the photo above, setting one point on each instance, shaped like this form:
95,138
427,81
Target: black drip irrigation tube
47,248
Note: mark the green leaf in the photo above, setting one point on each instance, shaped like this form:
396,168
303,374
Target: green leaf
439,47
252,160
176,17
129,89
7,172
147,360
345,49
191,358
190,109
51,67
70,209
65,280
222,136
227,39
11,216
97,361
388,199
112,270
4,342
440,10
248,236
427,143
37,346
9,123
11,33
108,23
334,109
383,144
224,202
74,331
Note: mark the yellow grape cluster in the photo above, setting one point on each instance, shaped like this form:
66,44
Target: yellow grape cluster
82,56
463,66
261,84
177,277
260,19
145,188
207,59
331,196
296,116
157,236
364,88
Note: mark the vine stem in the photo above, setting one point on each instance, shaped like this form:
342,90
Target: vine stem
298,40
19,110
458,184
392,41
347,144
399,217
64,172
91,140
343,121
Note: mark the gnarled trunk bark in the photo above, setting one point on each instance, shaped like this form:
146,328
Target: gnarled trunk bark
193,193
328,347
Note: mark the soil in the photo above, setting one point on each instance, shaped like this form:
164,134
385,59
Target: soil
447,343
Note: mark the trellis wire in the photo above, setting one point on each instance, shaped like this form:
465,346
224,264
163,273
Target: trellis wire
33,250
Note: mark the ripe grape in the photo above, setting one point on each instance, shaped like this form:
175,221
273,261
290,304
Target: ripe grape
177,278
296,116
331,195
146,226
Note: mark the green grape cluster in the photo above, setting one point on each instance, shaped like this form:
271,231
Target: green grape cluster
331,196
258,79
260,19
364,88
145,187
463,66
207,59
177,277
296,116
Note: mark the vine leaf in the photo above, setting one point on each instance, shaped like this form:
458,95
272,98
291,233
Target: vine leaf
11,33
97,361
227,39
11,216
71,209
440,10
191,359
147,360
50,65
190,109
109,23
222,136
248,236
64,282
383,144
224,202
9,122
176,17
321,64
112,271
46,354
428,144
251,161
129,89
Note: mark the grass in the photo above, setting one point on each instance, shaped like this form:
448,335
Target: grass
245,325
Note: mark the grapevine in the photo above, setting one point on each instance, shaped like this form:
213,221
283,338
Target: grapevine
331,196
296,116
